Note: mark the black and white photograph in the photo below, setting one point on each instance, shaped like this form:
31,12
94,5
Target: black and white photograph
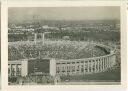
64,45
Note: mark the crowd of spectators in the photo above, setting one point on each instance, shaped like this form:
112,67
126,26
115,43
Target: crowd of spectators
54,49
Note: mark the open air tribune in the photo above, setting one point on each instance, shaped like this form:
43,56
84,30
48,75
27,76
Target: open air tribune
60,58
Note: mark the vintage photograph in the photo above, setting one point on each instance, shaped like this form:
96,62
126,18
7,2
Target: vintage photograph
64,45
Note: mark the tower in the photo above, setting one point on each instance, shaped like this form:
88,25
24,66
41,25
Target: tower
52,67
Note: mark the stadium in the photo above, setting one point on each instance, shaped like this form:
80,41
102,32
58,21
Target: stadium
61,58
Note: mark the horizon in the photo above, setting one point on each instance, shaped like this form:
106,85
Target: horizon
22,14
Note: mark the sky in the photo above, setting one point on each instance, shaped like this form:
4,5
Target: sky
64,13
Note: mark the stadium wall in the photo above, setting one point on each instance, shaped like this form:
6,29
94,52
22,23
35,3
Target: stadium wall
85,66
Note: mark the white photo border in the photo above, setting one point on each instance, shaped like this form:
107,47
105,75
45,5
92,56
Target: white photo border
4,41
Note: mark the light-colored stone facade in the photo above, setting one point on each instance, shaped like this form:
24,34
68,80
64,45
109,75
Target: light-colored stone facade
17,68
85,66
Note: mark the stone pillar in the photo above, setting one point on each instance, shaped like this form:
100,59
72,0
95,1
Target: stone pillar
9,68
84,66
52,67
15,69
60,68
110,61
75,68
35,37
113,59
65,67
91,66
97,65
66,73
88,66
24,68
43,39
107,62
102,63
